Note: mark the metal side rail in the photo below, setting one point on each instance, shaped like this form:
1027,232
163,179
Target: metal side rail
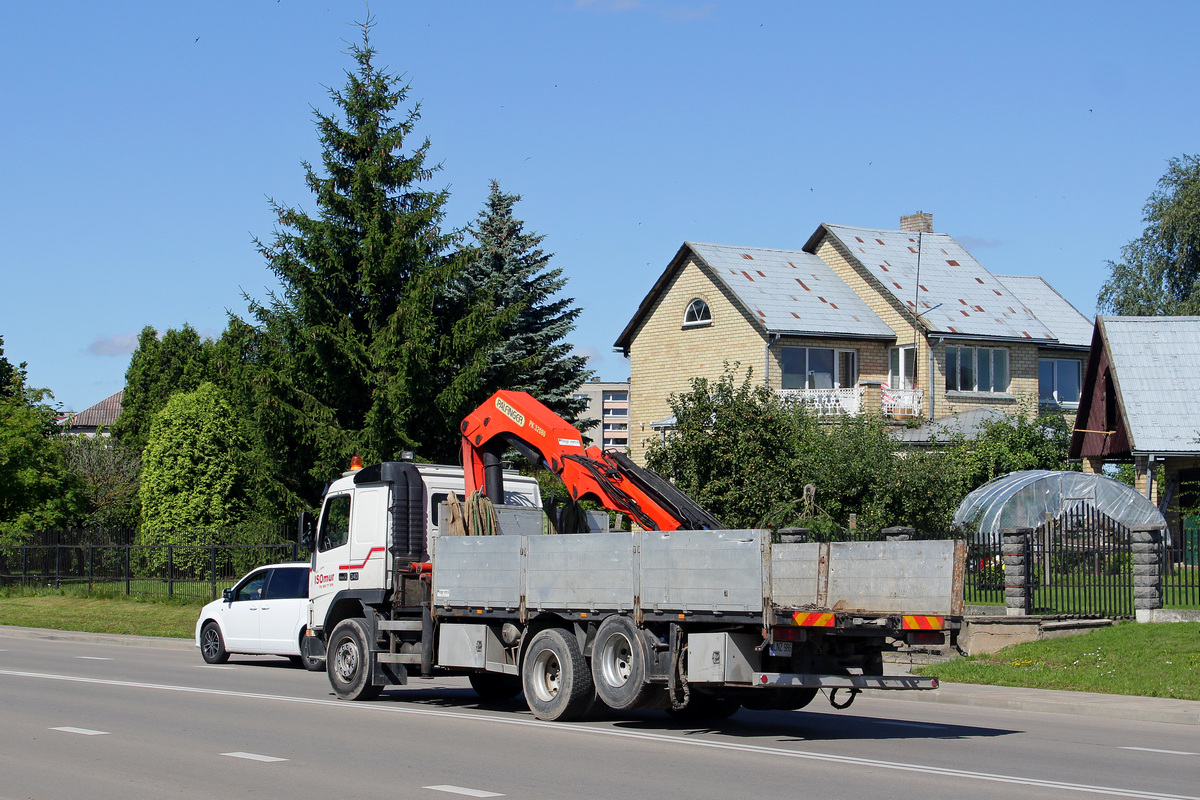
891,682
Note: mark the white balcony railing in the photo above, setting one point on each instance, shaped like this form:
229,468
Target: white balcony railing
902,403
828,402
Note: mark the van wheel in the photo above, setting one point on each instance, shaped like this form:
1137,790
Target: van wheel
348,661
212,646
619,665
555,676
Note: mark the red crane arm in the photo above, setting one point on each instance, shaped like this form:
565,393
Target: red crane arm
519,420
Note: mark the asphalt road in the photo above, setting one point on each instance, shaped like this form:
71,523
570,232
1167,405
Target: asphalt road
95,719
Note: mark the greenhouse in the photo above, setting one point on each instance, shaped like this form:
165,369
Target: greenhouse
1025,499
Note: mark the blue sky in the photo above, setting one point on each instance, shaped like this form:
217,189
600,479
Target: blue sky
142,140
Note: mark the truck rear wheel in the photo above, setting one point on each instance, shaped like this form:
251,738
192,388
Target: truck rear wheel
348,661
619,665
558,685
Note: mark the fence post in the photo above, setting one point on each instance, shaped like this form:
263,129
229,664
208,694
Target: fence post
900,533
213,570
57,551
128,572
170,571
24,563
1146,543
1018,595
91,566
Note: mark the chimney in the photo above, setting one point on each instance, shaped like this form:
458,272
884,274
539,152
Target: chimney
919,222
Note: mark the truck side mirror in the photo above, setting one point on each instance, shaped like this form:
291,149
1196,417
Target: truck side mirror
304,533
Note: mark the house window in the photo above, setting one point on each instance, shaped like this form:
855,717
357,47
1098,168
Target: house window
818,368
616,397
976,369
902,367
697,313
1058,381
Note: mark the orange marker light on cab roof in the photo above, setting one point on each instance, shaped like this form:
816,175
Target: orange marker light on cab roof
355,463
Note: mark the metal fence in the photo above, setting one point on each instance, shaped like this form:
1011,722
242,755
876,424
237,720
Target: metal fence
170,571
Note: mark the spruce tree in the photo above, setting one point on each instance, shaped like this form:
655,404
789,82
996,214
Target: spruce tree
509,266
351,357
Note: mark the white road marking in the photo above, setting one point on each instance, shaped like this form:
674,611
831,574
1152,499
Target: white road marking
212,666
586,730
1154,750
253,757
463,790
83,731
94,658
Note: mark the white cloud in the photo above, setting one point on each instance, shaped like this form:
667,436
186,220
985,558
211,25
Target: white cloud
119,345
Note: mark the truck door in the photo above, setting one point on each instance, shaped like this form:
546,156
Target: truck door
365,564
329,576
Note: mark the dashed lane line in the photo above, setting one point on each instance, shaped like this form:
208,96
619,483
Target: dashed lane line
254,757
1155,750
81,731
587,730
463,791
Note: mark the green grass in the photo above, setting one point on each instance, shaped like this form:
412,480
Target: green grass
72,610
1147,660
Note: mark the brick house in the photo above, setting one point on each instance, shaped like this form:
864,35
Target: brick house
906,324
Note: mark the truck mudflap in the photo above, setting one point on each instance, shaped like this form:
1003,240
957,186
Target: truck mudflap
891,682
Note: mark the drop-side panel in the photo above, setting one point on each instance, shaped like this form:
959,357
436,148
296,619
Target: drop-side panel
914,577
795,573
477,571
701,571
580,572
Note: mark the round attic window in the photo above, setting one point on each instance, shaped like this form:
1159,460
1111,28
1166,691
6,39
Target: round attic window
697,313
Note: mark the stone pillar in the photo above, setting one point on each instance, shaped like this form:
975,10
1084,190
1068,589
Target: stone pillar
899,533
1018,593
1147,569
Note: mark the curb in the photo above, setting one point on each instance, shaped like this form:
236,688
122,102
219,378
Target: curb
121,640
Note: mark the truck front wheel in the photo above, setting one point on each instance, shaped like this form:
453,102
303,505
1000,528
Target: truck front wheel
555,676
348,661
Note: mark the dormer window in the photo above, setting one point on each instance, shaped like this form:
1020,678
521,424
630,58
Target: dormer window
697,314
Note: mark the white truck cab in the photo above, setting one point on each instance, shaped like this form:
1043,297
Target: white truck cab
372,515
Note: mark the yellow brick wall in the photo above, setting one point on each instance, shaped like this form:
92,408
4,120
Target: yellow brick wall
664,356
1022,391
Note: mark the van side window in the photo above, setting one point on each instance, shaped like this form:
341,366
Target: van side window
335,523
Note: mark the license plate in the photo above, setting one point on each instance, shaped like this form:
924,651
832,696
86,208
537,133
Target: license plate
781,648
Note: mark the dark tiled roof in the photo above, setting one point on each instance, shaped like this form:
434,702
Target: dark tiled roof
101,415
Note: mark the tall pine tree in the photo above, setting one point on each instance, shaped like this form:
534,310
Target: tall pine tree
352,357
508,265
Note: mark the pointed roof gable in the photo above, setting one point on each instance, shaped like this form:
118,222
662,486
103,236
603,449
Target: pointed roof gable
101,415
1154,363
783,291
953,295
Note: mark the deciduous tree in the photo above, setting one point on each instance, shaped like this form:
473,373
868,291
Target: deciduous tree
1159,272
